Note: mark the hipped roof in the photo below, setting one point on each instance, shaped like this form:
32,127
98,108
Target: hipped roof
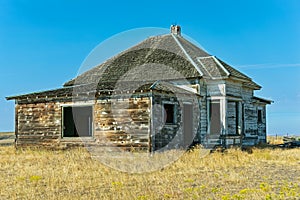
157,53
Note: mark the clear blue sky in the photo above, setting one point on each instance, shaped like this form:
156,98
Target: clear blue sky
43,43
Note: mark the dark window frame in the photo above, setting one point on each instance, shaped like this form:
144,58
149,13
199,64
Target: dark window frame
169,113
259,116
74,133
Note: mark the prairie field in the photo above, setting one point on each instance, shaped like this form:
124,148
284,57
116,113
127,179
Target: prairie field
74,174
7,138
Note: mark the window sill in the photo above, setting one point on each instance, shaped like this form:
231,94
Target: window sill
170,125
79,139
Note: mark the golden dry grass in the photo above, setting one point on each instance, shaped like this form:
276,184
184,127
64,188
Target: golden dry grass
73,174
6,138
274,140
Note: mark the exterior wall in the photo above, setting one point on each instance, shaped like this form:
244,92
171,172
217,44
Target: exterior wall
262,125
123,123
38,124
234,89
239,114
250,118
232,117
162,134
117,123
254,131
136,123
170,136
216,88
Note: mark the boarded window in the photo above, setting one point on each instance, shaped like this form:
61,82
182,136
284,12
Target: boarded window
233,117
169,113
215,117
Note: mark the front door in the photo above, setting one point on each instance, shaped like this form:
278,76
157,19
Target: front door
215,118
188,135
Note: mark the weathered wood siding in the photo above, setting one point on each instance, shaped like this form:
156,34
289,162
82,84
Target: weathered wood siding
241,114
123,123
170,136
254,132
38,124
136,123
262,125
162,134
203,112
250,118
201,109
216,88
233,89
232,117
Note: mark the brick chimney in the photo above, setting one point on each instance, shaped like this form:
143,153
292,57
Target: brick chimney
176,30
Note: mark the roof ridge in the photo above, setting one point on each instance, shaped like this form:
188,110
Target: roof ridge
199,60
232,68
221,68
220,64
187,55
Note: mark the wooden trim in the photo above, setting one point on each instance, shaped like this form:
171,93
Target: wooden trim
187,55
81,104
150,123
16,123
217,61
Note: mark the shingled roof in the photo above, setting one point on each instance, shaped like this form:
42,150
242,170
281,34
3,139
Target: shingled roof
159,57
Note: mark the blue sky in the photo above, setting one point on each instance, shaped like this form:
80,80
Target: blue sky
43,43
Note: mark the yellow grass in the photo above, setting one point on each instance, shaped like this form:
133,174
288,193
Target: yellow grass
6,138
275,139
73,174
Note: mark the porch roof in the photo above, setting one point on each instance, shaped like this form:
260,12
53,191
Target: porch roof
263,100
103,89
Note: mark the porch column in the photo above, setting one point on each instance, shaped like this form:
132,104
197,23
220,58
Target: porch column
223,113
240,118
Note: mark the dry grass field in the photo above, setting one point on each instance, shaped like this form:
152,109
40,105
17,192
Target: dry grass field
73,174
6,138
275,140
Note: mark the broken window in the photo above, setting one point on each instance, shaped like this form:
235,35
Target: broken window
77,121
259,116
169,113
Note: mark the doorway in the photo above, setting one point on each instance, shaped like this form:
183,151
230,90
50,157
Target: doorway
214,118
77,121
188,135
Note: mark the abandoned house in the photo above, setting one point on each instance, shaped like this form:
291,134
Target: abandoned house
164,92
